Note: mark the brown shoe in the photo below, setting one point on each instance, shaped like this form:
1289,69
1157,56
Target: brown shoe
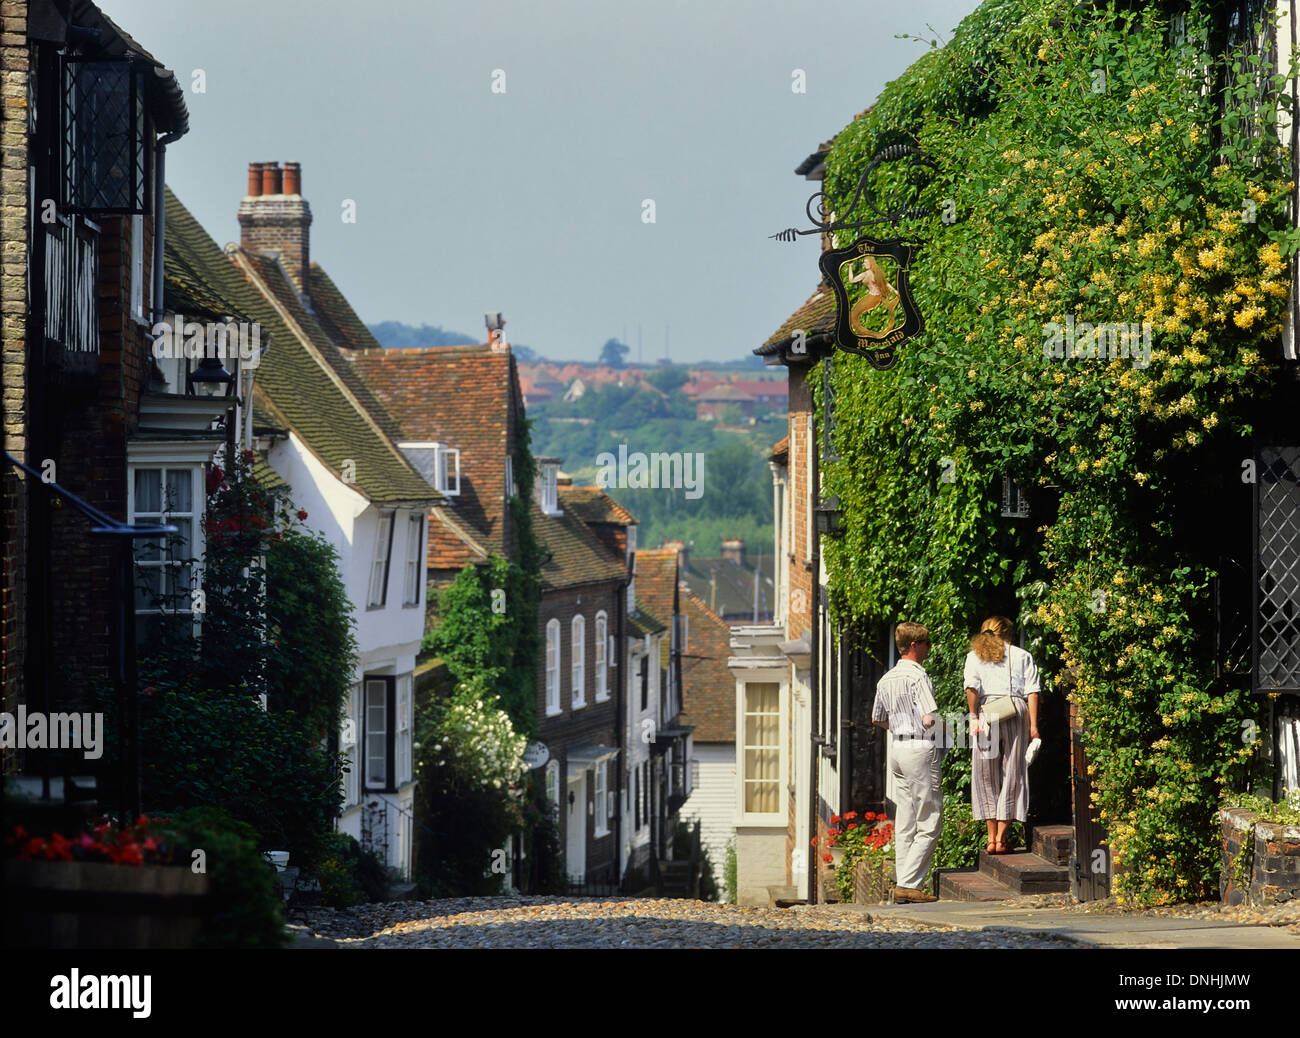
911,896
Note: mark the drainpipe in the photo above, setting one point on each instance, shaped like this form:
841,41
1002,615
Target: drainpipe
160,217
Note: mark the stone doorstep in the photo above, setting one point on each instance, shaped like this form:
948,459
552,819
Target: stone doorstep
1052,843
1025,873
783,897
971,886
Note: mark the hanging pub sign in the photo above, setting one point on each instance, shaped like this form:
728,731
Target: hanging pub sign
875,311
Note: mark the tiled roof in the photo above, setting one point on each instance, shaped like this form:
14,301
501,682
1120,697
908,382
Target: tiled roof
186,292
296,384
466,397
266,476
708,687
656,581
285,293
816,316
729,586
764,387
577,556
452,545
644,622
782,448
726,391
593,505
336,315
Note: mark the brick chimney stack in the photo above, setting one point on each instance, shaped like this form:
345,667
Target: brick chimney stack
733,549
275,218
683,552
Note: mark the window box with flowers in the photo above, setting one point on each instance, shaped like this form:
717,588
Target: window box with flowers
108,888
146,885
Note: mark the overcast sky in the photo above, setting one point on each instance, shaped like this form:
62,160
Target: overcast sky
530,201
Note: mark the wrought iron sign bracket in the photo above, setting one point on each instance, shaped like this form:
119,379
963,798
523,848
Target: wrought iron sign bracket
881,315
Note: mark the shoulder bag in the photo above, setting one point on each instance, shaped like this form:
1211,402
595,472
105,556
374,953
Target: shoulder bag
1000,708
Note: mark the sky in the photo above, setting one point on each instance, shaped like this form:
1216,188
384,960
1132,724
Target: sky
530,198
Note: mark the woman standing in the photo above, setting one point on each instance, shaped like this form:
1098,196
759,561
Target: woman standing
999,774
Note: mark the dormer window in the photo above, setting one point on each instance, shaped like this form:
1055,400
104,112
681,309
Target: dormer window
436,462
549,469
448,471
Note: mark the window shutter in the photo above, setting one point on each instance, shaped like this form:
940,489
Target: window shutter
404,729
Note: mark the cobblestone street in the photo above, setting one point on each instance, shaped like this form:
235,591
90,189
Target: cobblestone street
553,922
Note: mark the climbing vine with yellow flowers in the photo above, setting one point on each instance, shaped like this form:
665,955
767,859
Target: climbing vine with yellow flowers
1100,169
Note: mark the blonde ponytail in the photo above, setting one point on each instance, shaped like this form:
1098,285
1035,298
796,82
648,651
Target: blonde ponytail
989,645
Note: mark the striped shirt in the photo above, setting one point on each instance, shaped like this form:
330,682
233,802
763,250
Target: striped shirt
903,696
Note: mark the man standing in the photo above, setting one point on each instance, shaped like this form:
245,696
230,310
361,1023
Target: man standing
905,706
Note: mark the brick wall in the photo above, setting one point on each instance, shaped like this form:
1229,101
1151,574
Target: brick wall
801,600
89,441
593,724
1269,874
14,69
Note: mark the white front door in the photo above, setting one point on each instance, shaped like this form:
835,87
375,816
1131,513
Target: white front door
575,857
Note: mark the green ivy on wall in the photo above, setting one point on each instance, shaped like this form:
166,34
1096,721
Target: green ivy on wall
1097,173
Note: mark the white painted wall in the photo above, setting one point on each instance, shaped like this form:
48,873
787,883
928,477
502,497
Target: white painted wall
388,638
637,736
713,802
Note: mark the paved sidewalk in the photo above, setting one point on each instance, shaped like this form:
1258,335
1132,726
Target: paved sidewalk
1102,931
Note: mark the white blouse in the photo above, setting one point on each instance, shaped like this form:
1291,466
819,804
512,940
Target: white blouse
1014,673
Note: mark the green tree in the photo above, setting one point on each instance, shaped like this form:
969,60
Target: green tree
613,352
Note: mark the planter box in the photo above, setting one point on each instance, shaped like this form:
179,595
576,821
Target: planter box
77,904
1274,851
873,884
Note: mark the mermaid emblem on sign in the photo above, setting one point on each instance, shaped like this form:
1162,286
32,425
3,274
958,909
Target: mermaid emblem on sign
875,310
873,315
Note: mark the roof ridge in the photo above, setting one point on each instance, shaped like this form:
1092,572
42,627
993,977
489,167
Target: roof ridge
243,261
458,528
704,607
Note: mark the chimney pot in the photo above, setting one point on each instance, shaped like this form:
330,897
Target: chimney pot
273,220
271,174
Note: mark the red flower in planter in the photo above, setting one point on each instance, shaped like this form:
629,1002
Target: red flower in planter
828,858
60,848
215,477
302,516
835,819
250,457
812,842
850,815
852,825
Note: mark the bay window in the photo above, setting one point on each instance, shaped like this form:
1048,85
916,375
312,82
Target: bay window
166,567
761,752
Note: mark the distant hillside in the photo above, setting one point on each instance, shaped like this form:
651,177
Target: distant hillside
394,335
